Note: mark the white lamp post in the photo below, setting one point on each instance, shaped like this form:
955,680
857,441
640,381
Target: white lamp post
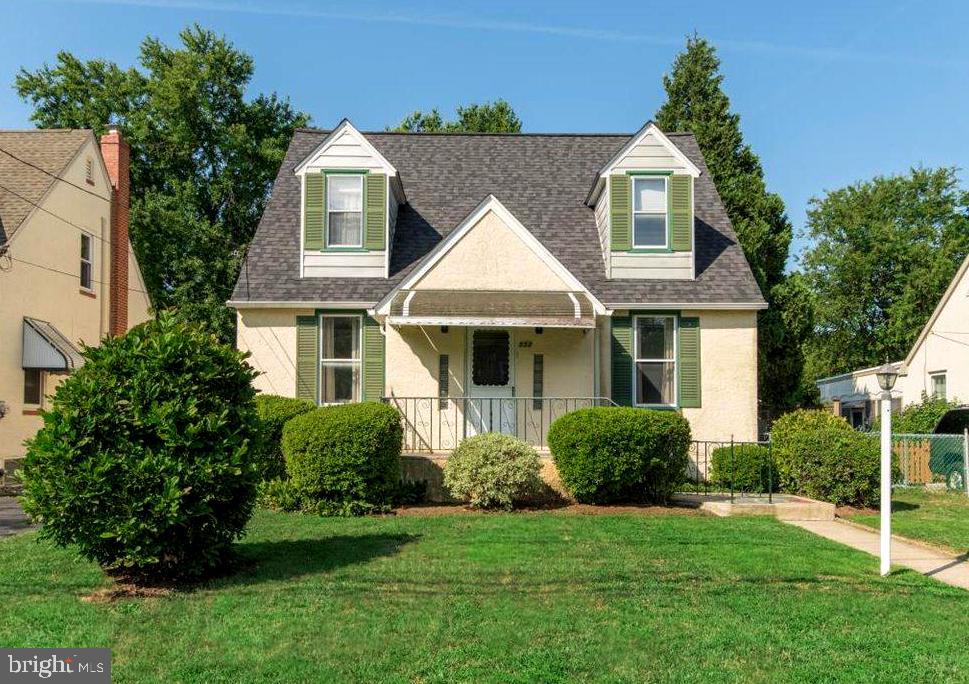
887,375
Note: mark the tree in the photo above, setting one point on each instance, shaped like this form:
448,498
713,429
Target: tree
203,157
490,117
883,252
697,103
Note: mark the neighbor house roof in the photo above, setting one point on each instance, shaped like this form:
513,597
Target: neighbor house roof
543,179
21,184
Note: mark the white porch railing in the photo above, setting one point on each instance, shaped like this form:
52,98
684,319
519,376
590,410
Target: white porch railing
440,423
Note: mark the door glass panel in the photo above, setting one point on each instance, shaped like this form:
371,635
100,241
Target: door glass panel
490,362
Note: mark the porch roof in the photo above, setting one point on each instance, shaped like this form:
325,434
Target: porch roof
498,307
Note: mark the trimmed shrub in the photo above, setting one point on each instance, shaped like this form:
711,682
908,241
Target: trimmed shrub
608,455
145,460
492,471
344,459
274,411
749,468
819,455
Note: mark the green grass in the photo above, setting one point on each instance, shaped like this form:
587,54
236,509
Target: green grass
936,517
508,598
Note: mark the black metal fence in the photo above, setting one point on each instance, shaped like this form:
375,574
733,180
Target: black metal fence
440,423
740,468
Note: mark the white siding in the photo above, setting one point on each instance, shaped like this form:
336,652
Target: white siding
344,264
392,206
346,152
602,224
649,154
662,266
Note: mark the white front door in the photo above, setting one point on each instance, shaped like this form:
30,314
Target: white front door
491,385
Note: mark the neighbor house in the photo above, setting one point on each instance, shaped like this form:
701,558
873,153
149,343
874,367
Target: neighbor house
67,272
492,282
936,366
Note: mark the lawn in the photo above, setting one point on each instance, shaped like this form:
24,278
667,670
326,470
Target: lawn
936,517
507,598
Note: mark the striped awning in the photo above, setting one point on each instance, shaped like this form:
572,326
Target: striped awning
492,308
46,348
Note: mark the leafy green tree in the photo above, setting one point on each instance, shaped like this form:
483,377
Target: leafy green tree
490,117
697,103
883,252
203,157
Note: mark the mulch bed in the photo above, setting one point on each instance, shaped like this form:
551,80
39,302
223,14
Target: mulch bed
567,509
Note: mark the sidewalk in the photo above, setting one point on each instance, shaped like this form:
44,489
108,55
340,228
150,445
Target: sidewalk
12,517
939,565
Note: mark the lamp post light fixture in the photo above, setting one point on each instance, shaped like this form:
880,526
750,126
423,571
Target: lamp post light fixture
887,375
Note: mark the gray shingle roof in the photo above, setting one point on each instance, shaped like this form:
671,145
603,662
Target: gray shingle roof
23,186
542,179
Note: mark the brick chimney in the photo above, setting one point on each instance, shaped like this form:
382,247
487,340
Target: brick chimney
117,159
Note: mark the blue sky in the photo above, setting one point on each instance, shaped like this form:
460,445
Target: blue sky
828,92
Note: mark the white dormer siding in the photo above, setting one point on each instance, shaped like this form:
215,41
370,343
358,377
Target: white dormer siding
653,166
346,152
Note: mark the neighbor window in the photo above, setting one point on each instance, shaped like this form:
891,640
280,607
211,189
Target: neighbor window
87,264
649,211
344,200
33,386
655,350
340,359
938,386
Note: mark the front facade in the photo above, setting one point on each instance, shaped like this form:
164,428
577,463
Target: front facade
63,209
495,282
936,366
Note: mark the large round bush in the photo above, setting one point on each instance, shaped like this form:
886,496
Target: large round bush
821,456
345,458
145,458
608,455
493,471
274,412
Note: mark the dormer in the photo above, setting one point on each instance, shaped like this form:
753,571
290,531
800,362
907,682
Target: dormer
643,201
350,194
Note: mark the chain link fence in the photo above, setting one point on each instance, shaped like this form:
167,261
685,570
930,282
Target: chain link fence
932,460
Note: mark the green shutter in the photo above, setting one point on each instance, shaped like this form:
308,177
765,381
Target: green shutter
689,363
375,211
314,201
622,360
373,360
620,213
307,357
681,212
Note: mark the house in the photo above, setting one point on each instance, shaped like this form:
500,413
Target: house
67,272
492,282
936,366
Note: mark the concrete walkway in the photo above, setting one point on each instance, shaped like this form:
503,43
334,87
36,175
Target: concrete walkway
12,517
942,566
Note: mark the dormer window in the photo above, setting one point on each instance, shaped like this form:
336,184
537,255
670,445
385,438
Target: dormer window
649,212
344,199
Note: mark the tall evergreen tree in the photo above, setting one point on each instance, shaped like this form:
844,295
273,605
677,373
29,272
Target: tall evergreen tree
697,103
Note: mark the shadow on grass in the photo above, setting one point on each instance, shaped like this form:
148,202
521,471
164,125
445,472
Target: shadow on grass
904,506
291,558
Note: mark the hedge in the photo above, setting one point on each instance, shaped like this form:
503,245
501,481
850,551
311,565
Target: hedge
745,468
614,454
493,471
274,412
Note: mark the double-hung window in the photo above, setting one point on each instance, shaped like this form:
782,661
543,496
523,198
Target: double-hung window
939,386
655,365
649,212
339,359
344,207
87,262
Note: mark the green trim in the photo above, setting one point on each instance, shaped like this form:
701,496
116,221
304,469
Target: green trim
650,250
326,209
373,351
686,396
649,173
346,249
632,216
361,172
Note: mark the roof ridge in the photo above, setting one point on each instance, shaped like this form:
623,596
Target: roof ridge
46,130
311,129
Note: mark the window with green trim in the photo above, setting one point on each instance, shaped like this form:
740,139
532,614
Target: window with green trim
344,209
649,212
654,368
339,359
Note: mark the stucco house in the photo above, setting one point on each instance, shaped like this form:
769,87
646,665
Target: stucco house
937,365
67,272
485,282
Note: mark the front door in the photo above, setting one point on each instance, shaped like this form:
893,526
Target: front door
491,385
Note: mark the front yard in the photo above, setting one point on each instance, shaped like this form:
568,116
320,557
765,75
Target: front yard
936,517
520,597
